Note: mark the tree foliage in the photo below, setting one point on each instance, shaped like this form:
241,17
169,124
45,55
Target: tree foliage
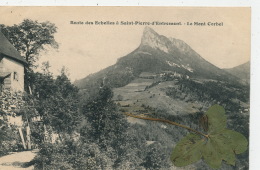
108,128
155,157
104,142
10,105
102,114
56,101
30,38
9,138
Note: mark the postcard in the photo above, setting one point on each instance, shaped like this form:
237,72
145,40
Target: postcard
125,87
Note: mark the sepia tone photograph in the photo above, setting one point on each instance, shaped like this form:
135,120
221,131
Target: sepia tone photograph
125,88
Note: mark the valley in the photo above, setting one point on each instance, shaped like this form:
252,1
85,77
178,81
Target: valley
165,78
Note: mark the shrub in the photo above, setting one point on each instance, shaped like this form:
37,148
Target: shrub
9,139
70,155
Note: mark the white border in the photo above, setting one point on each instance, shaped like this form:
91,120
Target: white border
255,88
127,3
255,45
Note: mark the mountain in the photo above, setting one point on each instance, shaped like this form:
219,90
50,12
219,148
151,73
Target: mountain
165,78
156,54
242,71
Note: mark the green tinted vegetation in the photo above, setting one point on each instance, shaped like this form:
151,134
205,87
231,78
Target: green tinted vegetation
221,144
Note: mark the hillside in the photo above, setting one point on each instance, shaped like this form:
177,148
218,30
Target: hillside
165,78
182,100
242,72
156,53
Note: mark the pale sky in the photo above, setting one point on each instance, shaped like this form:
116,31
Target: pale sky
86,49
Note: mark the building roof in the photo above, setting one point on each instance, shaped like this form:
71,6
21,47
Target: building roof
4,74
7,49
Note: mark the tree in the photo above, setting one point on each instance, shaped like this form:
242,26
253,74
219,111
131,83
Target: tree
106,126
155,157
30,38
103,116
57,101
216,144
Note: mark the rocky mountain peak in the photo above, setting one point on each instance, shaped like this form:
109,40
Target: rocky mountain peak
181,45
157,54
154,40
157,41
148,30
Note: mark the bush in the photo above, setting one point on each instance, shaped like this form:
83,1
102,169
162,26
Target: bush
70,155
9,139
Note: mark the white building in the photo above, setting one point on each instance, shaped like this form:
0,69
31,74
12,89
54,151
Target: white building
11,66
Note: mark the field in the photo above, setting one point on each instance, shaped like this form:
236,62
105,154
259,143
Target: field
137,98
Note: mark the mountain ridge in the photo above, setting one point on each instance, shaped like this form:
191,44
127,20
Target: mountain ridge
170,43
165,78
241,71
157,53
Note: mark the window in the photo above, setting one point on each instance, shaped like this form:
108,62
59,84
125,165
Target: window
1,85
16,76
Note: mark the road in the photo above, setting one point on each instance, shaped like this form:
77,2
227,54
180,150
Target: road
15,161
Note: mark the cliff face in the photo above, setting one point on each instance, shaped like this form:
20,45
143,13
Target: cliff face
157,53
165,78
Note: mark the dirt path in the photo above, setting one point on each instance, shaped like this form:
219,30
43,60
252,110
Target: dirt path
15,161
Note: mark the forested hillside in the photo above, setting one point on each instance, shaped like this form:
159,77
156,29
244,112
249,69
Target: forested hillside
165,78
86,124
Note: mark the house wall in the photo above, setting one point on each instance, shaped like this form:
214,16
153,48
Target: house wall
16,83
1,63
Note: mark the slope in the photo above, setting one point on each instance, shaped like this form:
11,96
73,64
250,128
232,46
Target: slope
156,54
242,72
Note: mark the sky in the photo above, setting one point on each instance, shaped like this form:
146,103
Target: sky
237,29
86,49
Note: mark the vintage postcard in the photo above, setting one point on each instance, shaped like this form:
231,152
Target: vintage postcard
125,88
